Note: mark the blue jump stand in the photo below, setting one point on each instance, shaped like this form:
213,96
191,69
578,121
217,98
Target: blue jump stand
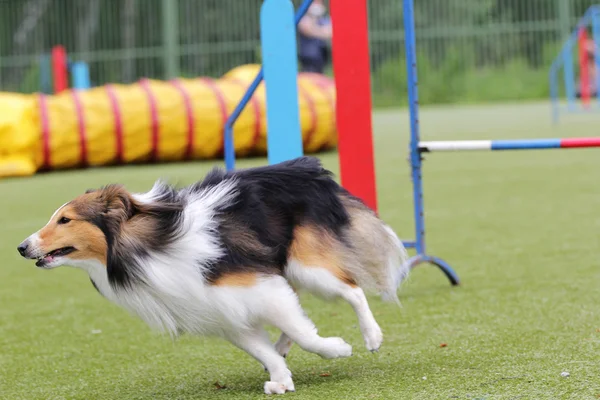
415,154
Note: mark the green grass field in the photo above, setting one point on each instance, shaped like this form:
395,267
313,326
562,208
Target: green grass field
522,229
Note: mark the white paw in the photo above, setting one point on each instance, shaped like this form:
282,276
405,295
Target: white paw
272,387
373,338
335,347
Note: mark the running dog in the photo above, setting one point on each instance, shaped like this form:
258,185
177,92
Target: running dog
225,256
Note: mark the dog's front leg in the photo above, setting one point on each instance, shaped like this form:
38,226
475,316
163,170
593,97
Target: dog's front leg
256,343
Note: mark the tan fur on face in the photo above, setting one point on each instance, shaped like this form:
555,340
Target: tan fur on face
126,220
86,238
314,247
245,279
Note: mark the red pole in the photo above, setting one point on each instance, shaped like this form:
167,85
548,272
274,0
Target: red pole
352,69
584,68
59,69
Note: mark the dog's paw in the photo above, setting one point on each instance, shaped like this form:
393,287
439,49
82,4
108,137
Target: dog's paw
373,338
272,387
336,347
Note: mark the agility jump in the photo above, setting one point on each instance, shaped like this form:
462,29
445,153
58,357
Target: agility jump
588,63
417,147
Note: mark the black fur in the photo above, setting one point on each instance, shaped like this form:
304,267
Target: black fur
272,201
256,229
166,214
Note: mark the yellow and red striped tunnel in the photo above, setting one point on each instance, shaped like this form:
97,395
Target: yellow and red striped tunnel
150,121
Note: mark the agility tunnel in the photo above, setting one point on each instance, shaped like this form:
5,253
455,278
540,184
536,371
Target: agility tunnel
151,121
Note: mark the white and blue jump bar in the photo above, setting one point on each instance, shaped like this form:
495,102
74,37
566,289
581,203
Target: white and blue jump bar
524,144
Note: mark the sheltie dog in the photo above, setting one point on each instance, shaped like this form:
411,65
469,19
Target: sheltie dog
225,256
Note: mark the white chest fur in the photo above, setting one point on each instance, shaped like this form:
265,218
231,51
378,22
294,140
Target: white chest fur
171,293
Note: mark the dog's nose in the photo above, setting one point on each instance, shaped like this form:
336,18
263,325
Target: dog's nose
22,248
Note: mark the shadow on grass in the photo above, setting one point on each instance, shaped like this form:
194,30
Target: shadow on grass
310,379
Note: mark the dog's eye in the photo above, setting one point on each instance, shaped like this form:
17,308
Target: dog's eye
64,220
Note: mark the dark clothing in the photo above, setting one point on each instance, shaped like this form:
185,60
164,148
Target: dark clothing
313,52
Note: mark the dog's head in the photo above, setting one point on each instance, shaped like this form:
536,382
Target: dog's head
80,231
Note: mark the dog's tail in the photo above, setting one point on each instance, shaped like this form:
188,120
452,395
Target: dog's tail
397,266
376,257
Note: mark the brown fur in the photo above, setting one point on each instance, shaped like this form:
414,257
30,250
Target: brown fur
241,239
314,247
364,262
132,220
245,279
79,233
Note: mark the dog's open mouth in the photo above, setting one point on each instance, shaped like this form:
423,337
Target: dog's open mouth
48,258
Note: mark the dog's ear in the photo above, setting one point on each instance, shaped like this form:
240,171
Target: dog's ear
117,203
90,191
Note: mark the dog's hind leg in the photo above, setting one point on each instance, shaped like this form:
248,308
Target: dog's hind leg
324,283
284,312
369,328
325,264
256,343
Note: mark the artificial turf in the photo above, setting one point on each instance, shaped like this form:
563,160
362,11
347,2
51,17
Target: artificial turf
521,229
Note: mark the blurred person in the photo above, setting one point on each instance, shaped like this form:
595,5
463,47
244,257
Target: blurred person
314,34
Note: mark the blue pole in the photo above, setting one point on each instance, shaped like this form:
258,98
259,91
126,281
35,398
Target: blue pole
413,99
229,144
80,74
280,66
45,74
569,75
554,101
415,153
